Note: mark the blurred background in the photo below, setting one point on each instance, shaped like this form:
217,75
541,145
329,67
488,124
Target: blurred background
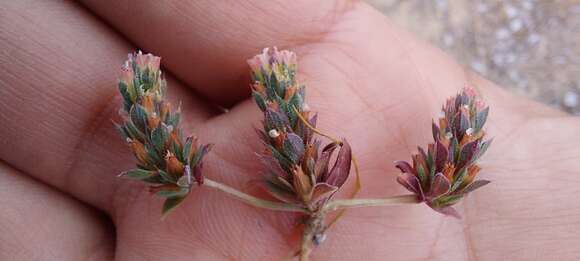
531,47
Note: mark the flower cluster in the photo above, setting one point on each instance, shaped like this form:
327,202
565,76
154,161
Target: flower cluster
167,161
298,171
446,172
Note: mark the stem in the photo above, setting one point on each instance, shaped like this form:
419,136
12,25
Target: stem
370,202
251,200
315,130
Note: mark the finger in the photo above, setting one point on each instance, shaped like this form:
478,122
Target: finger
58,95
39,223
206,43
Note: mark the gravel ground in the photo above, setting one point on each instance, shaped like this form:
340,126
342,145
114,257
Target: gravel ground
531,47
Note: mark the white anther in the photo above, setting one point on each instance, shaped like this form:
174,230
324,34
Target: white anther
469,131
273,133
449,135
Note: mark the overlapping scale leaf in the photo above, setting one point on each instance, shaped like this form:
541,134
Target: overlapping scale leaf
447,171
166,161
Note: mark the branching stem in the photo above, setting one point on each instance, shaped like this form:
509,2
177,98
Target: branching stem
251,200
370,202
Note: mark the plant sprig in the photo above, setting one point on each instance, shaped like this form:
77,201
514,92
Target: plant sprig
301,174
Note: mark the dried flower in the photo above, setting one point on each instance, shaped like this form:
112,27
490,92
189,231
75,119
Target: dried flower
447,171
151,129
297,170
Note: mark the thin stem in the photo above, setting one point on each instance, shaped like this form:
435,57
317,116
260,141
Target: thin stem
315,130
251,200
370,202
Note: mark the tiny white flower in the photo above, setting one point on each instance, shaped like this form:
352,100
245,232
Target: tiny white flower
469,131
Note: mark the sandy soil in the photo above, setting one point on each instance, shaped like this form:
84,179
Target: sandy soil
532,47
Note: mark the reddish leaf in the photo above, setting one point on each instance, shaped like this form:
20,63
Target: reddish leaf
321,166
404,166
273,166
321,191
341,169
439,186
440,156
411,183
435,130
475,185
197,173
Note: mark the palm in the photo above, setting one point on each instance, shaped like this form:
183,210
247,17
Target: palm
380,93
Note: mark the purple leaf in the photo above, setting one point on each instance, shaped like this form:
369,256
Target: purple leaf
439,186
197,173
293,147
404,166
467,152
273,166
279,193
321,166
321,191
440,156
475,185
339,172
274,119
435,130
411,183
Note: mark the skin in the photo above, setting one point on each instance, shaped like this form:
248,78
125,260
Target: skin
370,82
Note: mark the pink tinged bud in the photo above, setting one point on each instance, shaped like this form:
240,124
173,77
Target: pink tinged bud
127,75
469,91
285,57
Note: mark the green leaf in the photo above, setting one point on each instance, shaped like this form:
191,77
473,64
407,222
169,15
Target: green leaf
132,130
187,150
127,102
121,130
480,118
172,193
158,137
153,155
138,116
285,163
459,179
421,175
173,119
166,177
138,174
447,200
259,100
170,205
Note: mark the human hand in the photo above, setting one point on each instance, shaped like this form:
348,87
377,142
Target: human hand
370,82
